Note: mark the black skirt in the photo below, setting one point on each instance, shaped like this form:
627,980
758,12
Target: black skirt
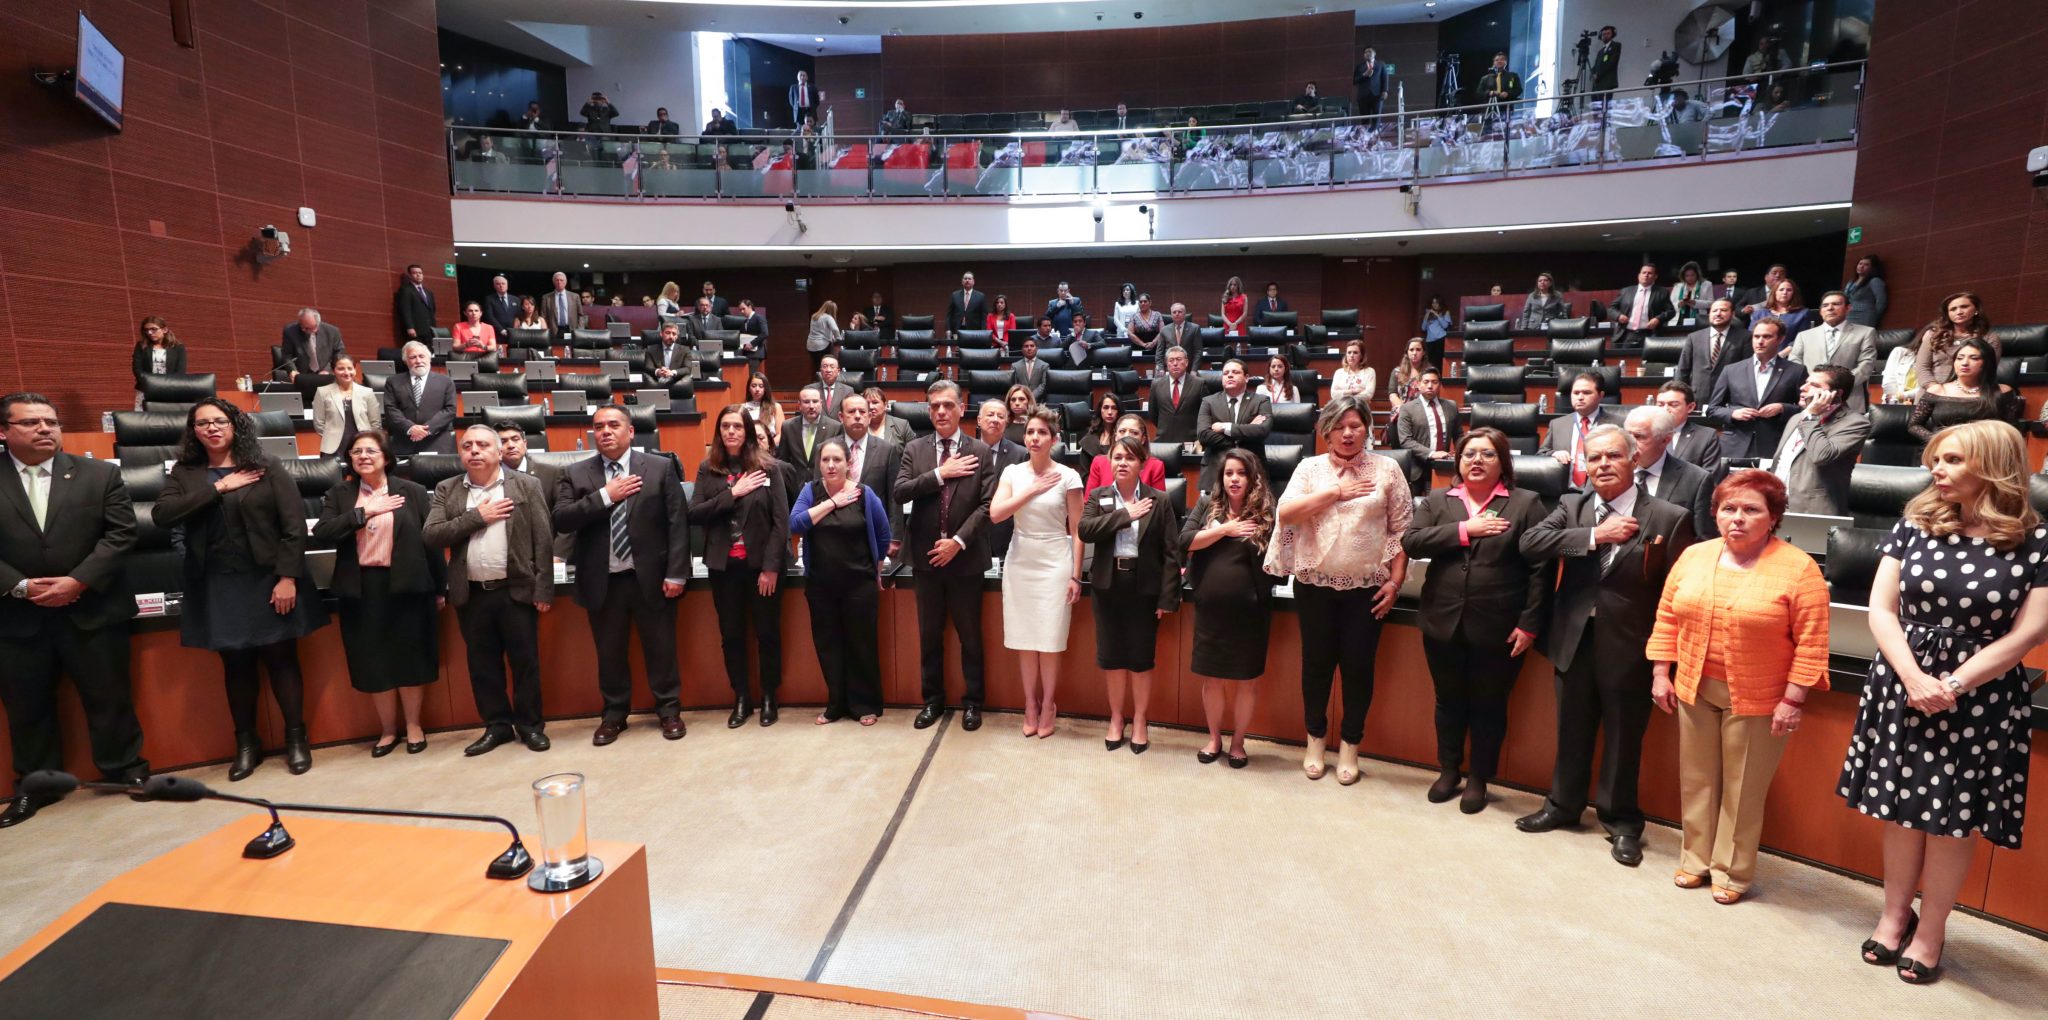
231,611
1233,611
1126,628
392,640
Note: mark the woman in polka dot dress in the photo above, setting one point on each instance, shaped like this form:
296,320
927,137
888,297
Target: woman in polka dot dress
1941,740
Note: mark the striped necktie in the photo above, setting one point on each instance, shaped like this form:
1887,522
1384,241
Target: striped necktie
1600,515
622,547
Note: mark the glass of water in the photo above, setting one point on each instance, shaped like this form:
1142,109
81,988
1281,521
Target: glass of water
564,830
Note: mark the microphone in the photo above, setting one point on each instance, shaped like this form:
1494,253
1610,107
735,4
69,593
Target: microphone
511,864
50,785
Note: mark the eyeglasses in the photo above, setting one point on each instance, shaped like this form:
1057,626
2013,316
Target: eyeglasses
212,424
1481,453
33,423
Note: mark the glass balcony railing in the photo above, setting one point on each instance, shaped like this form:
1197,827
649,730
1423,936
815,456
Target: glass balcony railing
1716,119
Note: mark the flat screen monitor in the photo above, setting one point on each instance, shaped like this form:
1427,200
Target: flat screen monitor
101,69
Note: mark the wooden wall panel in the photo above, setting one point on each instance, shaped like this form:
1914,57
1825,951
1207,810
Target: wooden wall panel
333,104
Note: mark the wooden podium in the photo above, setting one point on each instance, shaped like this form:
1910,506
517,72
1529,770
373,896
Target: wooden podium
589,952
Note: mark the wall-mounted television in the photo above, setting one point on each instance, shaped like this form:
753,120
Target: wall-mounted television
100,71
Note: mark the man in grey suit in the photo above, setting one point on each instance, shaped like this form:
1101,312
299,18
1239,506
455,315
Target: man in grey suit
830,388
419,405
1176,399
1565,439
1694,442
1837,341
1753,400
1663,474
1819,449
562,307
513,454
501,577
310,347
803,431
1238,418
1614,544
1722,343
671,359
1427,427
1178,332
872,461
698,322
1029,372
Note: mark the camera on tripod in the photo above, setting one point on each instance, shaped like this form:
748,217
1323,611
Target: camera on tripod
1664,71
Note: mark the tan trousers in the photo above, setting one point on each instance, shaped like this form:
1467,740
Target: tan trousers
1725,763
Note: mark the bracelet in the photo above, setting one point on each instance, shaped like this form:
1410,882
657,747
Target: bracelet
1794,704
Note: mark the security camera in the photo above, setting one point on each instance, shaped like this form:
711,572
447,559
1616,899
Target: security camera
1098,216
1098,15
843,19
789,207
2037,164
1403,243
1144,210
1244,248
1138,15
272,244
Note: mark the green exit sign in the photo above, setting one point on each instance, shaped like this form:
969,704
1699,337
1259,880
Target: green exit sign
447,269
1855,235
860,93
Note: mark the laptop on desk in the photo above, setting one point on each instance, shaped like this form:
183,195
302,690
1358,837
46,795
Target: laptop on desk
289,401
616,369
541,371
620,330
461,370
378,368
474,399
569,401
657,399
279,447
1810,531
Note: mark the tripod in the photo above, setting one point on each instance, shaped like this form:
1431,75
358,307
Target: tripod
1447,88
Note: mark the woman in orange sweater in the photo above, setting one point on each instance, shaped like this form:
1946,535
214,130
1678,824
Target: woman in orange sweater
1741,640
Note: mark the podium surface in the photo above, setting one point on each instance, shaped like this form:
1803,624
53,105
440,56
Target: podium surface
358,919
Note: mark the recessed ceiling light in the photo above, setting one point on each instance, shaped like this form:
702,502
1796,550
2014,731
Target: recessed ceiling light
586,265
1429,3
817,38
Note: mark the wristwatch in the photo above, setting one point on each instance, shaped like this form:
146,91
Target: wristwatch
20,589
1955,686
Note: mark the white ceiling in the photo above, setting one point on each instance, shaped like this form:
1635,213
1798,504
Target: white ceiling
822,45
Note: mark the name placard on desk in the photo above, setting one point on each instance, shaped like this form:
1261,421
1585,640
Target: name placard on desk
151,604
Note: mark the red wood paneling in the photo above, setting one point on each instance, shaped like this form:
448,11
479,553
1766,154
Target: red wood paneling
326,103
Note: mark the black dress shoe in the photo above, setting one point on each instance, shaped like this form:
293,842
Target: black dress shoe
673,728
1474,800
298,756
492,739
380,750
535,740
929,714
1445,787
1545,819
1627,849
740,711
769,712
607,731
19,810
415,747
1208,757
970,718
248,754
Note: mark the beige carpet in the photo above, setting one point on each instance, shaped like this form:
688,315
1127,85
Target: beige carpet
1052,875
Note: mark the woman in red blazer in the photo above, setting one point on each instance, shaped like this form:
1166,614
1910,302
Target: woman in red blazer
1001,322
1152,473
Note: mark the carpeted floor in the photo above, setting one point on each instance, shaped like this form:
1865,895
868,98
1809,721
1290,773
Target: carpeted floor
1048,874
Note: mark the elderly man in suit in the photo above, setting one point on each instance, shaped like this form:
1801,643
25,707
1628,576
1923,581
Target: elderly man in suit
500,307
966,308
1178,332
632,558
501,577
1614,543
1238,418
1723,342
1818,451
419,405
700,320
803,431
1694,442
1565,439
803,100
948,479
1176,399
719,306
1639,310
310,347
871,460
1752,400
1029,372
1837,341
1664,474
65,525
830,389
1427,427
562,307
413,306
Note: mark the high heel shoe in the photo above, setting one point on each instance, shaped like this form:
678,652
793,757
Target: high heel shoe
1312,758
1877,954
1347,763
1111,743
248,754
298,757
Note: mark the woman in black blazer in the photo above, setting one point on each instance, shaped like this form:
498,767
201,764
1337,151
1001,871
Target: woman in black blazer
157,352
390,585
1136,581
246,594
743,507
1480,608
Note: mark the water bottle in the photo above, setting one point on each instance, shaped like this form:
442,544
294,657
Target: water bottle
1542,403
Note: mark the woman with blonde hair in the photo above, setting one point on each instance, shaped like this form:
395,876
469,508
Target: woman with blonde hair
1225,537
671,300
824,336
1939,749
1235,307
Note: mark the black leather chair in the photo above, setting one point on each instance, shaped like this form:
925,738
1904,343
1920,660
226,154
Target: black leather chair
1269,336
1496,312
1314,335
2037,492
1520,422
1490,329
1610,376
187,388
862,361
1878,492
1310,383
646,430
1215,320
1293,424
1169,457
1073,417
274,423
431,469
916,322
1027,323
1110,358
1890,443
1495,383
916,362
1284,320
591,337
1576,328
529,419
1126,382
147,428
1660,352
560,458
313,476
1411,468
595,387
1177,493
859,339
977,338
1542,475
1213,341
915,340
1583,351
591,354
1889,340
509,386
1488,352
1341,322
531,339
1852,563
1281,461
917,412
153,563
983,382
1212,379
2023,341
981,360
1067,382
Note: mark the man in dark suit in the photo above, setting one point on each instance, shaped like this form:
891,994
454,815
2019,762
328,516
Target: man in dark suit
948,479
830,389
882,316
718,304
1819,448
1179,332
1663,474
532,119
1272,302
1753,399
1565,439
1606,71
1370,82
1176,400
500,307
1062,310
1694,442
65,525
671,359
1238,418
1834,340
756,328
562,307
700,320
501,576
992,423
632,558
1308,101
1639,310
803,100
1498,84
414,306
966,308
310,347
1428,428
1614,543
662,126
512,444
419,405
803,431
1722,343
871,460
1029,372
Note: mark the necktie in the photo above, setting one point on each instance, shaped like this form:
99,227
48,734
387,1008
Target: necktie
1579,454
419,390
1436,426
1643,479
622,547
945,490
1639,308
422,289
562,306
854,468
810,436
1607,553
1833,335
38,493
1714,351
1176,393
1233,410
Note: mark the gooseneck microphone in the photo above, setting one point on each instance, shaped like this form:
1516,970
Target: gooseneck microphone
51,786
511,864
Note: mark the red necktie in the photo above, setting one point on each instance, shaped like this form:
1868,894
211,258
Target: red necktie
1579,455
1437,421
1176,393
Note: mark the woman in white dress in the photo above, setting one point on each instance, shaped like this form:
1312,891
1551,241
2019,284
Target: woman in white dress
1041,574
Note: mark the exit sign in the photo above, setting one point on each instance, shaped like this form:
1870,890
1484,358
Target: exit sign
447,269
860,93
1855,235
